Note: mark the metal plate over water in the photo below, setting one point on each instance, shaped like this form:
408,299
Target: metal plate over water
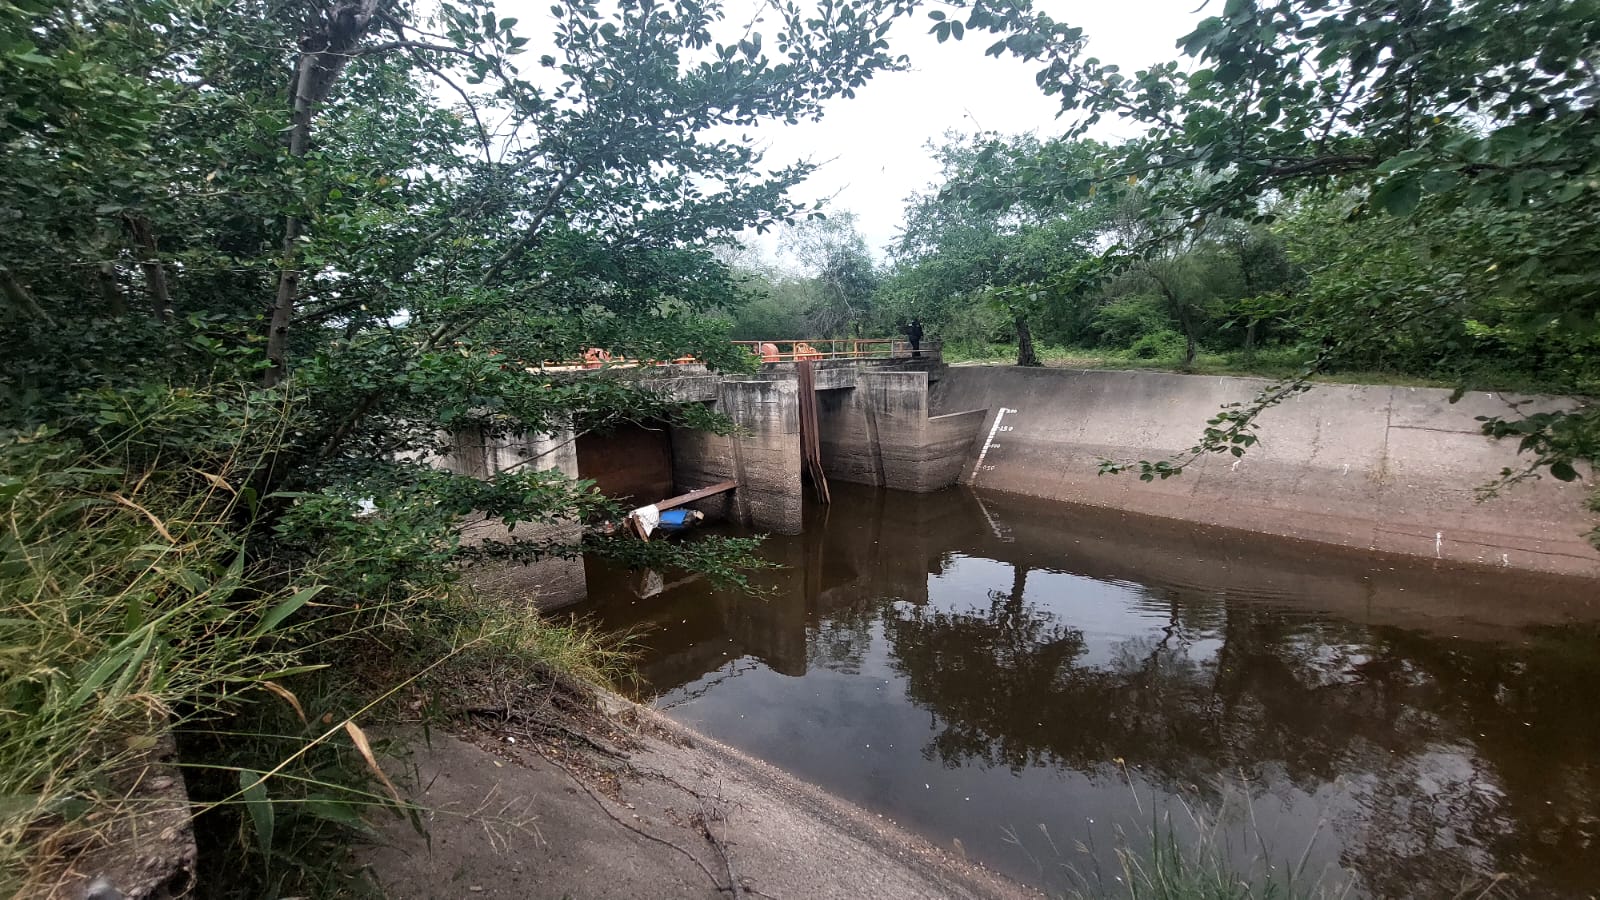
1039,686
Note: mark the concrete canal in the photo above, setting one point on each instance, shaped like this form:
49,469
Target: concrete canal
1036,684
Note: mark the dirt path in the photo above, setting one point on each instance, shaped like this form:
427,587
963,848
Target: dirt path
674,814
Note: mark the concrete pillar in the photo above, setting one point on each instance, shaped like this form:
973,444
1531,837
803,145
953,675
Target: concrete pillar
879,433
764,456
472,453
556,451
547,583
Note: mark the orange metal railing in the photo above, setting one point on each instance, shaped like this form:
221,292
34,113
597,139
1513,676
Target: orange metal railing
768,351
833,348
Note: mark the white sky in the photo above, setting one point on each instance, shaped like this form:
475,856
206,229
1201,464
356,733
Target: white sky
874,144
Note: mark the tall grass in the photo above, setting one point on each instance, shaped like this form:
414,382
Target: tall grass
1195,863
1216,850
128,606
1196,851
140,596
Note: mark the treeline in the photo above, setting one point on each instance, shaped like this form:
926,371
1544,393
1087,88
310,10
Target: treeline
1114,278
1428,172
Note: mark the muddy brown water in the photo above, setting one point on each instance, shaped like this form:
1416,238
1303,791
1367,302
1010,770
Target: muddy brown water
1038,686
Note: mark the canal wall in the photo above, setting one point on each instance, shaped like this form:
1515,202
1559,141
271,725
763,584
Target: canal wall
668,813
880,433
471,452
1385,468
763,455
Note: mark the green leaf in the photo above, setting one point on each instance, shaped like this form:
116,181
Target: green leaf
292,671
135,661
1403,160
98,676
1399,196
338,812
285,609
252,785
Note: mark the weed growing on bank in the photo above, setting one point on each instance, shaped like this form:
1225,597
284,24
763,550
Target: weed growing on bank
1195,849
160,627
1211,848
1274,362
1193,863
131,608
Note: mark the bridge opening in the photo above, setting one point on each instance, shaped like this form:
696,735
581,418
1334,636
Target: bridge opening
631,463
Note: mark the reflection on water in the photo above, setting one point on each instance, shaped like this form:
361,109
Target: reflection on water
1035,680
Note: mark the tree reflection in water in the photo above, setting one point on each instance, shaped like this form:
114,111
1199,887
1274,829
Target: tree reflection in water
1442,723
1277,698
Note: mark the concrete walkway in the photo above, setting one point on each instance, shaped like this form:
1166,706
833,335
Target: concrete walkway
685,817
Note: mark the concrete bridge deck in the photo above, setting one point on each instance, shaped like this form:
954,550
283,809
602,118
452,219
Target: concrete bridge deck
873,425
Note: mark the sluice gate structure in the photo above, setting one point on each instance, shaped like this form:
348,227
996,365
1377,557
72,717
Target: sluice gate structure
1376,468
866,409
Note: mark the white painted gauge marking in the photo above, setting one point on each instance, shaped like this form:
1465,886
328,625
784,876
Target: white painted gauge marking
989,444
999,530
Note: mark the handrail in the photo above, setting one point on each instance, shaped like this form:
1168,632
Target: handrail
768,351
830,348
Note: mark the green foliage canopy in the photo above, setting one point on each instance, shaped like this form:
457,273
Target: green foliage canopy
278,252
1474,124
280,192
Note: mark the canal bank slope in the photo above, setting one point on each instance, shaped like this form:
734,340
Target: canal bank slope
1385,468
640,806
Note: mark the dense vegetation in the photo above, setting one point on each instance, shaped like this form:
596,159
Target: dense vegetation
265,259
1400,190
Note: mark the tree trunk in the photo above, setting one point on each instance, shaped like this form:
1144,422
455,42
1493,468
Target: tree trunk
1180,311
155,274
1019,585
110,290
323,56
1250,340
1025,354
20,298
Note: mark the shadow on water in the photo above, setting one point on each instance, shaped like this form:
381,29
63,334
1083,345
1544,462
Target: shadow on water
1035,680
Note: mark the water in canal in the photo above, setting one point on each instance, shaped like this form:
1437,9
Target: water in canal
1038,684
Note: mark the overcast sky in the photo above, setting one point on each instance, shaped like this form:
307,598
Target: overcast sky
874,144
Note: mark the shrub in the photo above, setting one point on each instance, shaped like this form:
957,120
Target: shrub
130,607
1163,344
1126,319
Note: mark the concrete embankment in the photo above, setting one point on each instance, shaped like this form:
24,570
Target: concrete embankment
1385,468
676,815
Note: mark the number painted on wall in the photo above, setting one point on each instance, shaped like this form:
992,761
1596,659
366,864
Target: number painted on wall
989,443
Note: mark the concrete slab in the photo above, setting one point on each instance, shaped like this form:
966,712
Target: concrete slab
509,823
1362,466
